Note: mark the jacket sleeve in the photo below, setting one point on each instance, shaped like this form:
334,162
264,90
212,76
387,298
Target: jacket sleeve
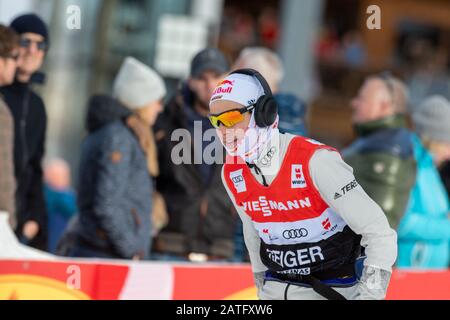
417,226
36,208
113,165
7,179
65,202
251,237
330,175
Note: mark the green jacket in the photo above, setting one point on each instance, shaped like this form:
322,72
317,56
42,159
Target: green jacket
383,162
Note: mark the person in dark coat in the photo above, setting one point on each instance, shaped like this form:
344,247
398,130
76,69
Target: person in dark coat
101,111
202,219
117,164
30,122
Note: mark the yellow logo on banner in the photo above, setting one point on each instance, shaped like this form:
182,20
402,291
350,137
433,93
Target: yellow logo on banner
30,287
246,294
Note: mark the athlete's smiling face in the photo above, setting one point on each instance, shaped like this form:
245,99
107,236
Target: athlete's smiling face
230,137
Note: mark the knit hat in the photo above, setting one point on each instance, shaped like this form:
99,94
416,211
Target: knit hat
30,23
432,118
209,59
137,85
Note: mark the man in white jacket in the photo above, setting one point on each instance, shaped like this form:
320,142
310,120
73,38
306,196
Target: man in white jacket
305,217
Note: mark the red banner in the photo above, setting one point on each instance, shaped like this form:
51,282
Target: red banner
111,280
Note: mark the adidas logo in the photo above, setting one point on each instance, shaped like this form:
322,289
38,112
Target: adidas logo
337,196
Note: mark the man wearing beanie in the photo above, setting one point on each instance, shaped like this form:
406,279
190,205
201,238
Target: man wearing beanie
424,231
118,162
305,217
201,220
30,122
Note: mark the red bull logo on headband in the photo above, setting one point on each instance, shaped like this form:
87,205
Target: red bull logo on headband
224,86
221,83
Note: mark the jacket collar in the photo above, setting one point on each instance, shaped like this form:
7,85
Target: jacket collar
392,122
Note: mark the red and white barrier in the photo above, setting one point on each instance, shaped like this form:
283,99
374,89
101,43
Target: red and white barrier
99,280
26,273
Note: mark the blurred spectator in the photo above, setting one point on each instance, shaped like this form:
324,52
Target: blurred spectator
8,57
268,27
30,122
118,162
429,74
328,45
60,199
424,231
201,217
102,110
291,109
382,157
238,30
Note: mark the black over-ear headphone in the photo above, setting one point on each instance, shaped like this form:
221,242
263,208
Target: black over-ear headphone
266,108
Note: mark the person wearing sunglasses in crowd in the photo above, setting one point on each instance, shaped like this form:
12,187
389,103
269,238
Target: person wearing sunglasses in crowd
304,215
8,62
30,121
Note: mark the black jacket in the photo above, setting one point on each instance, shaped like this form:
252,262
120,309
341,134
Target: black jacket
30,122
201,216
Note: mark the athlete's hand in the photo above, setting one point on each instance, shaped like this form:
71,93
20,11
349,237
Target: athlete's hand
259,280
373,284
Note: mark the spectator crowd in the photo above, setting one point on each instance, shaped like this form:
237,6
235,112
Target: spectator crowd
133,202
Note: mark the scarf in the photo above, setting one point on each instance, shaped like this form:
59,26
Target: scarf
254,142
146,140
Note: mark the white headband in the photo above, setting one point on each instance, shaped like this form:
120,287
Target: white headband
239,88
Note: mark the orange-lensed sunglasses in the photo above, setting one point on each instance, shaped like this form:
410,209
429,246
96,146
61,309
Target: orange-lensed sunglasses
229,118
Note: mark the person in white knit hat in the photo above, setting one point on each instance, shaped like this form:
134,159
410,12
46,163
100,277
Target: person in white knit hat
139,88
117,165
